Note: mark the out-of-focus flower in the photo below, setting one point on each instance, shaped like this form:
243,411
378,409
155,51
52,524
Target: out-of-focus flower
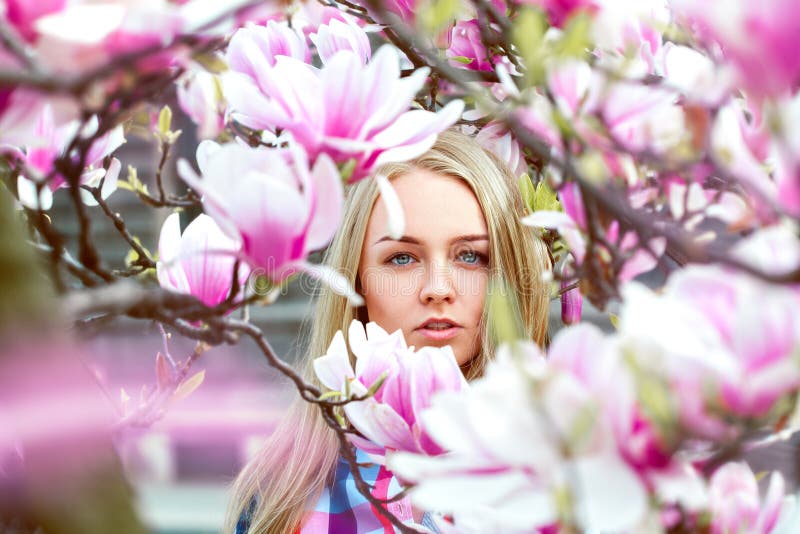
253,50
572,223
571,303
694,75
735,502
467,47
774,250
339,35
626,26
730,151
390,418
766,61
405,9
200,97
200,262
352,112
730,360
496,138
22,14
493,474
38,149
271,202
84,35
559,11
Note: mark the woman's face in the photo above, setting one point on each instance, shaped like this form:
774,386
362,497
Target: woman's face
430,283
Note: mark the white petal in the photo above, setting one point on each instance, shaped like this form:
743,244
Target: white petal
610,497
396,220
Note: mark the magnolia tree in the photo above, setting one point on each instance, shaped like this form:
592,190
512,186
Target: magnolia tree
648,134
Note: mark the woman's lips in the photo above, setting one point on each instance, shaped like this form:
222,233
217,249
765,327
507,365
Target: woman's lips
439,334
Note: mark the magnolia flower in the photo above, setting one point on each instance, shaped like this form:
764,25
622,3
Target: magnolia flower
559,11
730,151
571,223
389,418
84,35
339,35
571,303
494,475
465,43
200,97
736,505
271,203
353,112
729,359
253,50
496,138
765,62
200,262
41,147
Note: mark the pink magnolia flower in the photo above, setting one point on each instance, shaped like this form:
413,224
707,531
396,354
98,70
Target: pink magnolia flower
735,502
200,97
465,42
353,112
84,35
339,35
571,303
38,149
390,418
273,204
253,50
571,223
494,478
496,138
766,61
559,11
200,262
729,360
22,14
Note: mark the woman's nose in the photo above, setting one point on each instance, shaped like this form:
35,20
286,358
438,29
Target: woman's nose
438,284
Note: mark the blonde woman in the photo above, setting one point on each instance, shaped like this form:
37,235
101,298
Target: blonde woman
462,209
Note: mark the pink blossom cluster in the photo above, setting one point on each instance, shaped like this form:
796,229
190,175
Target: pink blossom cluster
402,380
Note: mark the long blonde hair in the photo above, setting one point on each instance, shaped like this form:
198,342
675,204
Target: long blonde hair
298,460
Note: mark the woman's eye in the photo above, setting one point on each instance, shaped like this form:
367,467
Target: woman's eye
401,259
470,256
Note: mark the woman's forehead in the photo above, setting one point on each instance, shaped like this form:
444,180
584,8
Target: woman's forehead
435,207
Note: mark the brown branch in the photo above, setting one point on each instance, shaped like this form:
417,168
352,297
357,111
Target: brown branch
144,260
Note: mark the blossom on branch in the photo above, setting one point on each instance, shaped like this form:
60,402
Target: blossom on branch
736,505
273,204
200,261
403,381
356,114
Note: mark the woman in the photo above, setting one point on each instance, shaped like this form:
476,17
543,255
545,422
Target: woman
462,208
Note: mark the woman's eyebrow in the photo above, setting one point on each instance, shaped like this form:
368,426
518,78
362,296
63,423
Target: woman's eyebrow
415,241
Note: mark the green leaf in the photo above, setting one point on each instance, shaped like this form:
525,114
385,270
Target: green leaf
528,192
505,322
575,40
346,169
188,386
527,35
330,395
462,59
165,121
377,384
434,16
545,199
